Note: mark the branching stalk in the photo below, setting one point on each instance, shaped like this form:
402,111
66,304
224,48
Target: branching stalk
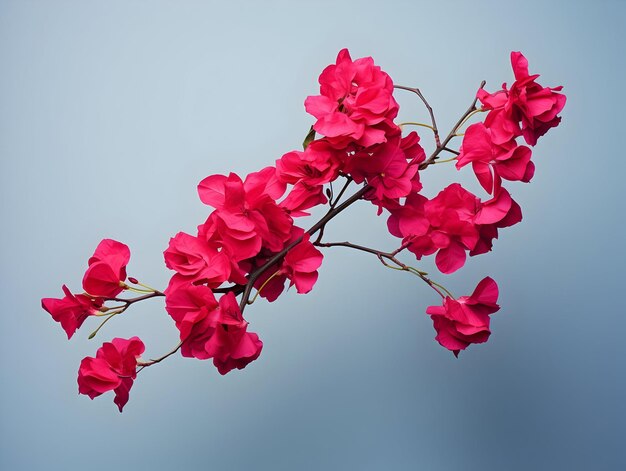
390,256
319,225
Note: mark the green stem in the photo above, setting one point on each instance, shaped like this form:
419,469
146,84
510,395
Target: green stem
110,316
258,291
409,123
445,161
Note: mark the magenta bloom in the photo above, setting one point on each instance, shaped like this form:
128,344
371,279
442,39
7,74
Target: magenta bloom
299,266
527,103
499,212
303,197
72,310
355,104
209,329
453,230
198,317
451,224
491,161
246,215
197,260
538,106
194,310
107,269
317,165
231,346
390,169
385,169
409,221
445,225
237,349
461,322
113,369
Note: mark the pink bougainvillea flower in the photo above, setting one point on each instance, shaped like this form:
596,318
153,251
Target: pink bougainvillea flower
390,169
414,153
197,315
538,106
503,127
197,259
231,346
409,221
501,210
453,230
211,329
445,225
194,310
491,161
212,190
386,170
72,310
264,182
107,269
242,349
317,165
496,213
236,235
113,369
452,224
114,253
299,266
355,104
527,108
461,322
246,215
303,197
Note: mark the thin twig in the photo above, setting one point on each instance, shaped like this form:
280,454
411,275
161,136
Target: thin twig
151,362
428,107
459,123
452,151
128,302
111,312
319,225
341,192
382,256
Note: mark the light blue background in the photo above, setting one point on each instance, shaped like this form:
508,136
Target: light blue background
110,114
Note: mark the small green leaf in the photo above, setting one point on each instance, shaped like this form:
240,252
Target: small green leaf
310,137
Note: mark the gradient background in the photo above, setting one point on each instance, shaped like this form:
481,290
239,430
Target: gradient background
112,112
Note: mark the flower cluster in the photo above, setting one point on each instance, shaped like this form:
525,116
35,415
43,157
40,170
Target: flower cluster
461,322
526,109
251,243
355,105
113,369
452,224
103,279
251,237
456,223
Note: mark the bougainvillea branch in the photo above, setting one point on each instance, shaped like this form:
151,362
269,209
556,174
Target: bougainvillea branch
143,364
318,226
430,112
391,257
462,120
250,246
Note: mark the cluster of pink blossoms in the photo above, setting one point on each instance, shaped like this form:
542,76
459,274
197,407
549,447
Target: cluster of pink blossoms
250,239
